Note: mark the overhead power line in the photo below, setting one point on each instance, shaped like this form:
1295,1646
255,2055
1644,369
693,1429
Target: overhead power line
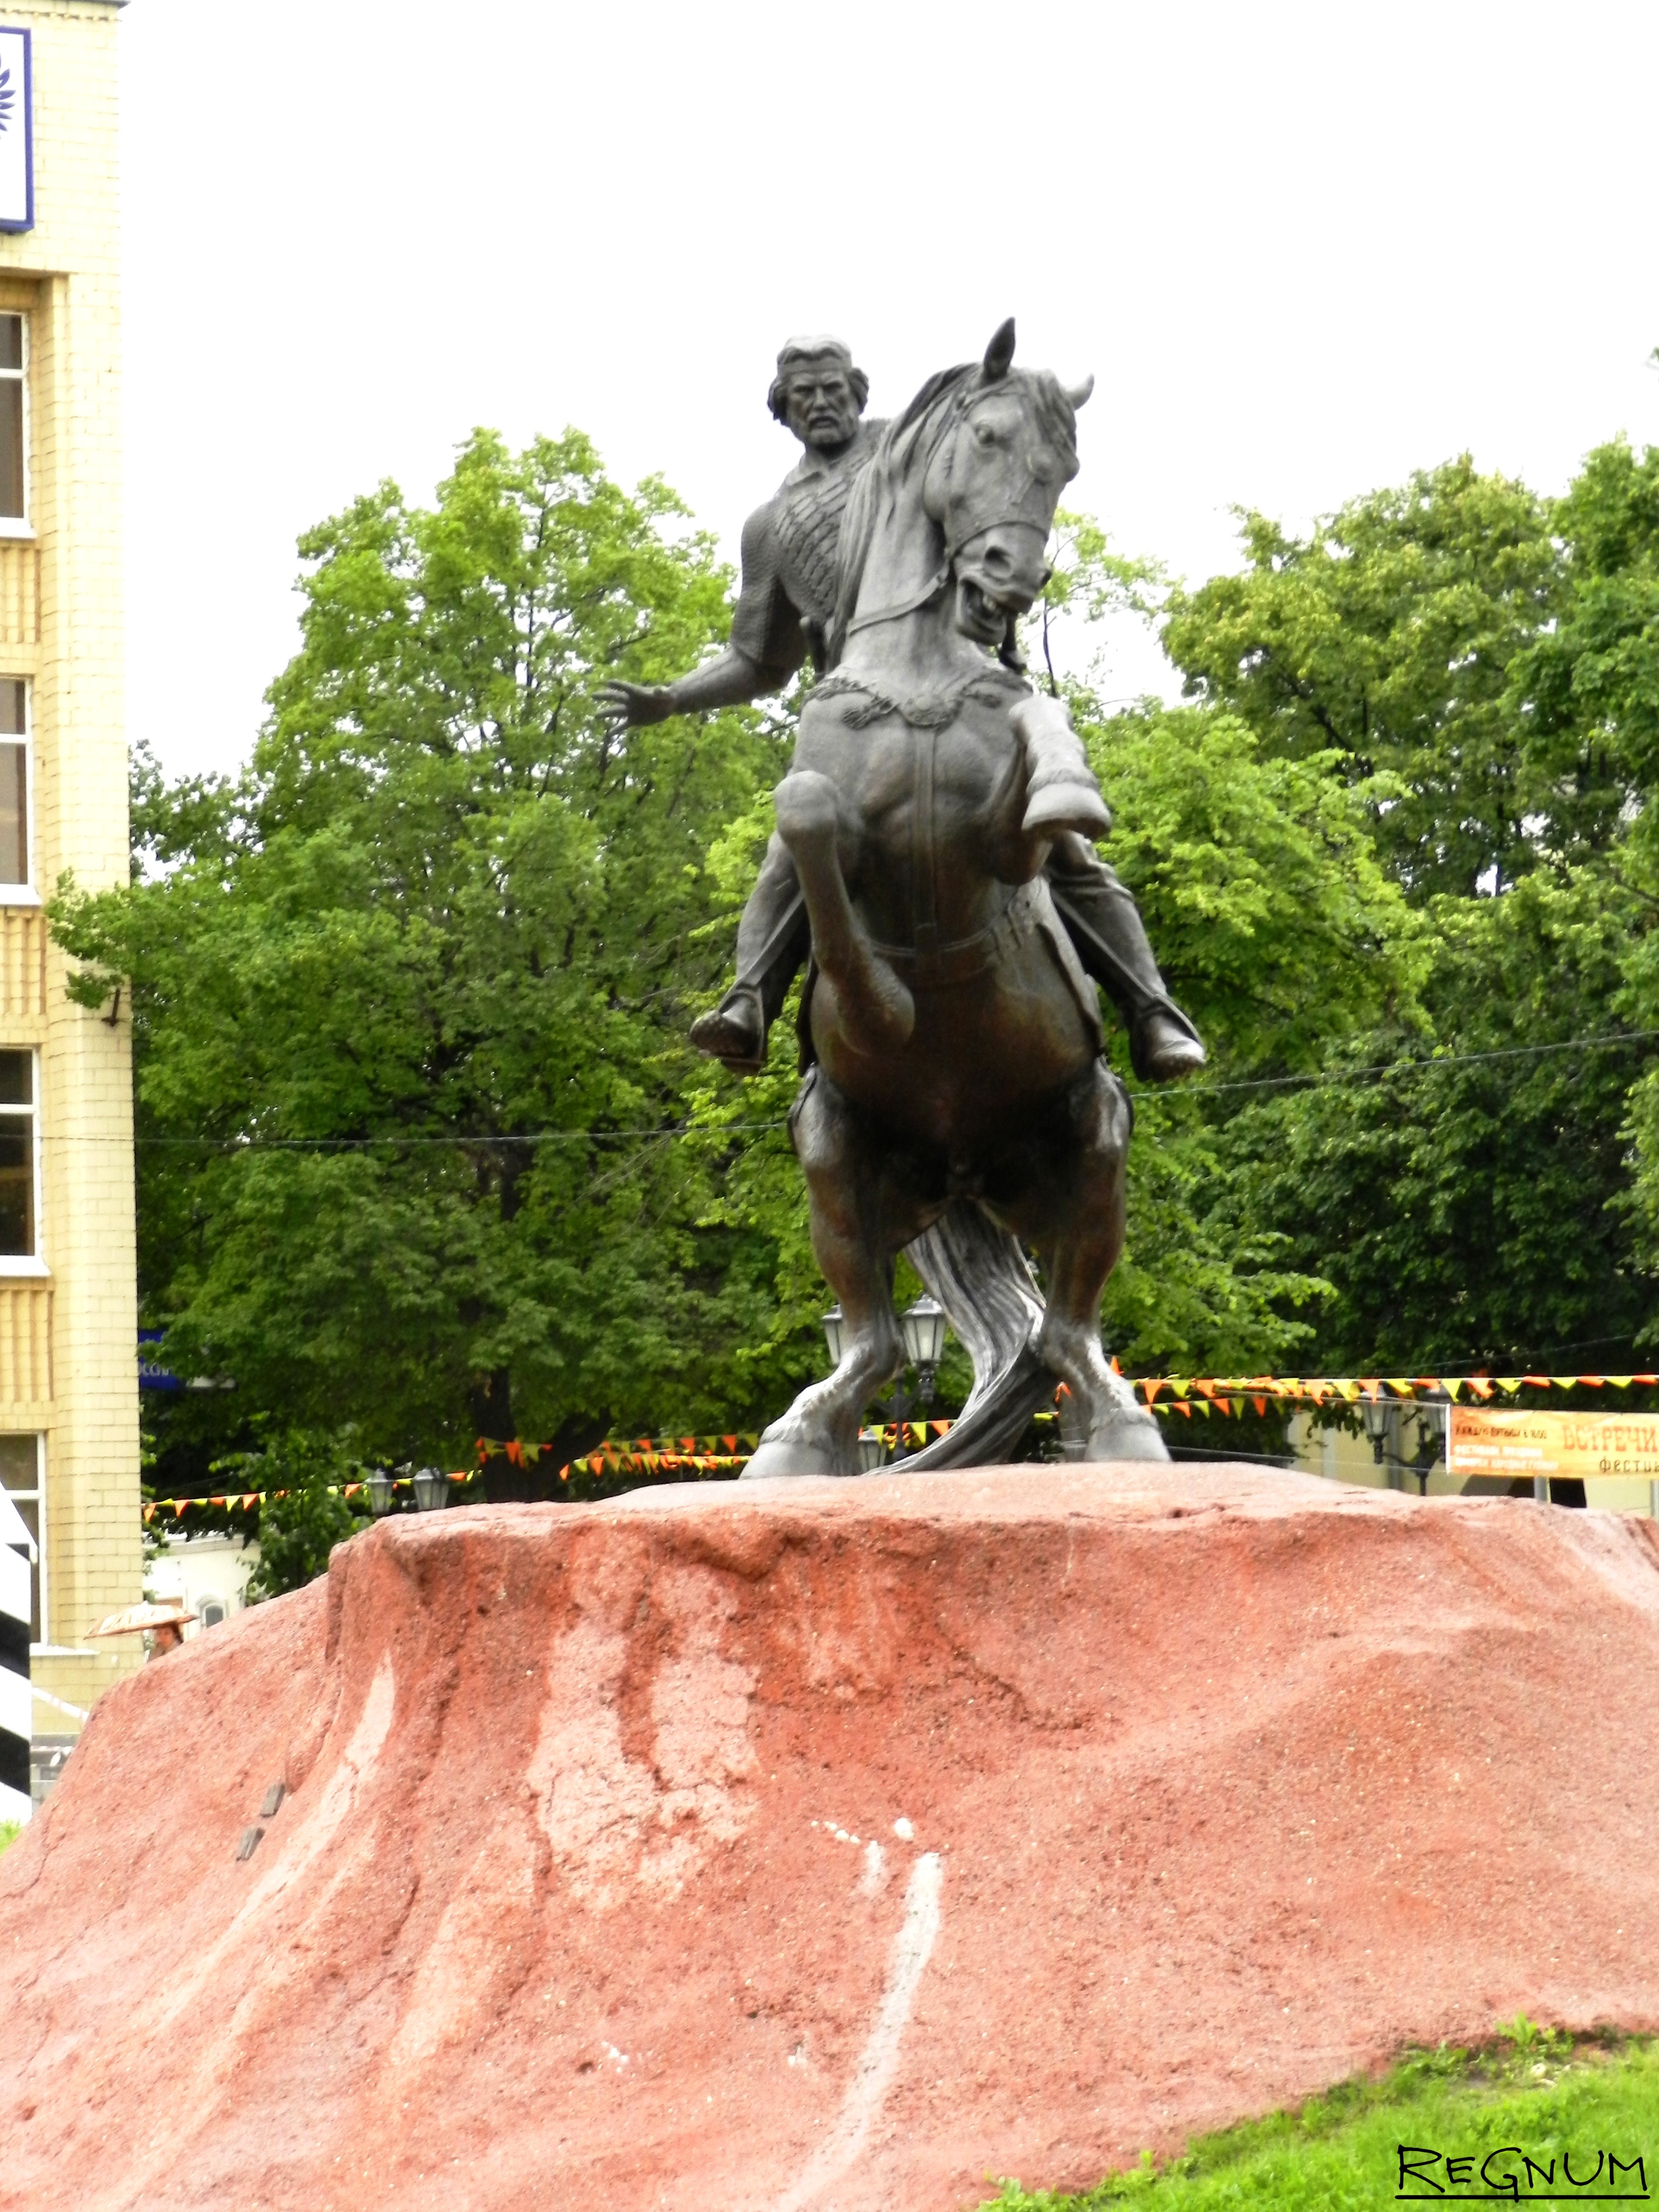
1328,1078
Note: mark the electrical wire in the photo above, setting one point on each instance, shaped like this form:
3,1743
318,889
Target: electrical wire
1326,1079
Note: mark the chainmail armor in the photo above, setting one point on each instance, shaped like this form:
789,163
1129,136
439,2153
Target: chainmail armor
806,521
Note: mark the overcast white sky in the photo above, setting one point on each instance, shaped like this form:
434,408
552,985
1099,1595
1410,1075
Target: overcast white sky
1305,249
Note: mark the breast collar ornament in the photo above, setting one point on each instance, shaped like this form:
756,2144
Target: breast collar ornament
923,710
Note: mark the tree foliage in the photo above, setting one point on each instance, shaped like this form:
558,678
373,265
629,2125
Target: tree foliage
1488,661
425,1153
409,996
1386,639
301,1479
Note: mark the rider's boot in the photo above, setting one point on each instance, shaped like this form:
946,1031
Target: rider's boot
1105,925
774,938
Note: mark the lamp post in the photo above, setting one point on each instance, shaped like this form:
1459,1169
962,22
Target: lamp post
431,1489
922,1327
1431,1419
1385,1421
1381,1418
382,1493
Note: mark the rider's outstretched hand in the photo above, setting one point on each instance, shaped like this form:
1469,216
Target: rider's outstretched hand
630,706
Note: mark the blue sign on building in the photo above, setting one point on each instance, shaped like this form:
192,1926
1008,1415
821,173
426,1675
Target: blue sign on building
151,1377
17,131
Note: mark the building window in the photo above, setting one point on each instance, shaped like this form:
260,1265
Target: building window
17,1160
13,421
14,782
19,1472
211,1611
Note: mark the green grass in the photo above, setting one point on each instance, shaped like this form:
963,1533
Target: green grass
1550,2093
10,1831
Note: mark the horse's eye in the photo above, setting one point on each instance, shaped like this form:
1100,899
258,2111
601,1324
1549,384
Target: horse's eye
984,435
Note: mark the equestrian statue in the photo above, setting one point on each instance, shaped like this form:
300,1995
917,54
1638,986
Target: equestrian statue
935,858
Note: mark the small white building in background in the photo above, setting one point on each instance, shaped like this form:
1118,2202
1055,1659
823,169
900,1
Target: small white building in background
206,1574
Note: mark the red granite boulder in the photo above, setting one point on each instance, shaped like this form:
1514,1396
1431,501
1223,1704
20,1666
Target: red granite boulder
814,1846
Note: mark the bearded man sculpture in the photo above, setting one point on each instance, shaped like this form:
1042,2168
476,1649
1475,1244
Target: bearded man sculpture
934,855
789,551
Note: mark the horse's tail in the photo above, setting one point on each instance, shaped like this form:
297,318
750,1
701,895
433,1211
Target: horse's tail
981,1277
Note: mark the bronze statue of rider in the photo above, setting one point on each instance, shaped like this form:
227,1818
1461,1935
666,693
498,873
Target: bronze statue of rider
789,559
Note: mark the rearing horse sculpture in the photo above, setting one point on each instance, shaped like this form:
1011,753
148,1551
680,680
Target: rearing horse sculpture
957,1103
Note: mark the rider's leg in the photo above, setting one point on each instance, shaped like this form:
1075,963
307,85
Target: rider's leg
1105,925
863,1209
774,938
1061,1190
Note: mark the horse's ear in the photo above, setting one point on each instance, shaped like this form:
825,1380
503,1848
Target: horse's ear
999,353
1078,393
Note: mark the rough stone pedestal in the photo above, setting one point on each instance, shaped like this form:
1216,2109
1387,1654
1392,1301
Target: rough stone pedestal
828,1844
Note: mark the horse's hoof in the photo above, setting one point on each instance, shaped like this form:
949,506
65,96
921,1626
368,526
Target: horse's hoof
794,1456
1127,1436
1066,806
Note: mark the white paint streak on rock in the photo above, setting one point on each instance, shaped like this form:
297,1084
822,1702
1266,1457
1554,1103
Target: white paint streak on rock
877,2063
619,1825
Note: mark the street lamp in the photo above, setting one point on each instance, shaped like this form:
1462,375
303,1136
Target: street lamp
1377,1415
382,1493
923,1325
1432,1417
431,1489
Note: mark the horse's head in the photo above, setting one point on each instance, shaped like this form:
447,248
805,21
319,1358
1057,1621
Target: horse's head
994,481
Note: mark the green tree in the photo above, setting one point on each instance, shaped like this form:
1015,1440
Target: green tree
1585,692
1280,932
1387,638
302,1479
409,996
1471,1208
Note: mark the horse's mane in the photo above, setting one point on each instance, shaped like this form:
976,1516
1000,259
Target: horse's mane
908,441
892,460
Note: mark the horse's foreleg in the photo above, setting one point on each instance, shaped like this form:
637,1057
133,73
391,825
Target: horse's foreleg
877,1013
860,1218
1071,1209
1061,793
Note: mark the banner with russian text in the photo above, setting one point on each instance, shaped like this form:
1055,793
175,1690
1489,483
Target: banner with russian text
1486,1440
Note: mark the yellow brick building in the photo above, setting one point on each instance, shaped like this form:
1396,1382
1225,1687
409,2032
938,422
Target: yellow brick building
68,1398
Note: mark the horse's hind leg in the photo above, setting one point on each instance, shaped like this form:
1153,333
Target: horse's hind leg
1071,1207
861,1214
